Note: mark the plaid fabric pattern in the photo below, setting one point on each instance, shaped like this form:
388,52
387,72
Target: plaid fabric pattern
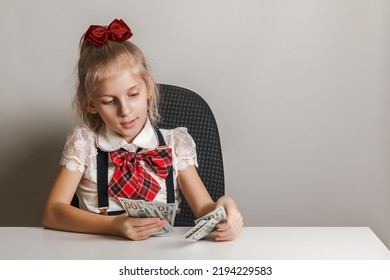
131,180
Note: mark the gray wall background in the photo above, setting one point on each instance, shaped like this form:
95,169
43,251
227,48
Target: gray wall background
300,91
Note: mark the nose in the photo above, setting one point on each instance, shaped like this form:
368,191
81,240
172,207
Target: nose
124,108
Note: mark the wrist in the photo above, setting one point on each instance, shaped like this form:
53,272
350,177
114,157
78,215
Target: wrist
225,201
114,226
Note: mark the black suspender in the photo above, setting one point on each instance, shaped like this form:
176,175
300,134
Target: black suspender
169,179
102,179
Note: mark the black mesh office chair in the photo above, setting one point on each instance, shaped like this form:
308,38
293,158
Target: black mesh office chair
182,107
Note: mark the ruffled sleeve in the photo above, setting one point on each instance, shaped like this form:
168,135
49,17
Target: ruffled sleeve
79,150
184,148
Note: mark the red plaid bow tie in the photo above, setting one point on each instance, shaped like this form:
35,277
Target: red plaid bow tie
131,180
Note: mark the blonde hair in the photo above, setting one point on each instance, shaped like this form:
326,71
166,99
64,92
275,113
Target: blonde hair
97,63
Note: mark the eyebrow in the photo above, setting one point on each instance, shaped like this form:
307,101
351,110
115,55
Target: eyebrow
136,86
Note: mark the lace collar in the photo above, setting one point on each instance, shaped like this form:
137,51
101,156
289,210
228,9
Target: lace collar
108,140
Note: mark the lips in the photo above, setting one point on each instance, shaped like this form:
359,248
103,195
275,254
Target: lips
128,124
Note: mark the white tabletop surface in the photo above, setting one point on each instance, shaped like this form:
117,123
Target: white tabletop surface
270,243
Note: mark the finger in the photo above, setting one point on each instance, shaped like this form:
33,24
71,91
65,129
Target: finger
222,226
223,232
158,224
234,221
146,221
144,231
225,226
227,232
143,234
227,235
223,235
141,228
225,238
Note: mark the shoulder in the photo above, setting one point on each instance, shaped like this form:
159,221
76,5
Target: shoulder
183,146
80,136
81,133
177,137
80,144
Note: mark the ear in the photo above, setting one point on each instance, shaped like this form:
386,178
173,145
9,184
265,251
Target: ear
91,109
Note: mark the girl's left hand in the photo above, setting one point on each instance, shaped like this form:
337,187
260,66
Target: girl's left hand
229,229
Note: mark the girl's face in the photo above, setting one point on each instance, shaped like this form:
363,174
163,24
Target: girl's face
122,103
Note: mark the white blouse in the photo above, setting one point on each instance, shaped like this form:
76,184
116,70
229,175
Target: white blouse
80,153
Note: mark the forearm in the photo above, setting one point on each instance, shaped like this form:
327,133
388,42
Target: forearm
63,216
205,209
226,201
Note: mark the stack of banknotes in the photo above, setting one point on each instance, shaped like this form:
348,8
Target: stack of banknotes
205,225
143,209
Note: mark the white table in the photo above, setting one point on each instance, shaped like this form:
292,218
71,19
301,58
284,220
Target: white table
267,243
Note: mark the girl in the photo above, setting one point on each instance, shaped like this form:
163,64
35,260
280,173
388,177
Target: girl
117,102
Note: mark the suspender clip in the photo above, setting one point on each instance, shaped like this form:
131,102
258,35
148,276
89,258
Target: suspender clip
103,211
162,147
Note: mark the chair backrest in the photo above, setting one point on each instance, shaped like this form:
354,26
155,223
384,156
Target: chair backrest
180,107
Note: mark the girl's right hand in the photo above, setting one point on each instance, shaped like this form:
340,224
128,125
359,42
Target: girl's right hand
137,228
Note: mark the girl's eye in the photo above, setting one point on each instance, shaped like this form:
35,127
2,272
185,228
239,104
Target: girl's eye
134,94
107,102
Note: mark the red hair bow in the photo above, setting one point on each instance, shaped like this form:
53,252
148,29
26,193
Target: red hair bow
116,31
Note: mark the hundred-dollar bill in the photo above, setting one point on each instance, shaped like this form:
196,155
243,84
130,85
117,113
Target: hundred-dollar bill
168,210
156,213
205,230
218,214
135,208
205,225
140,209
193,230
